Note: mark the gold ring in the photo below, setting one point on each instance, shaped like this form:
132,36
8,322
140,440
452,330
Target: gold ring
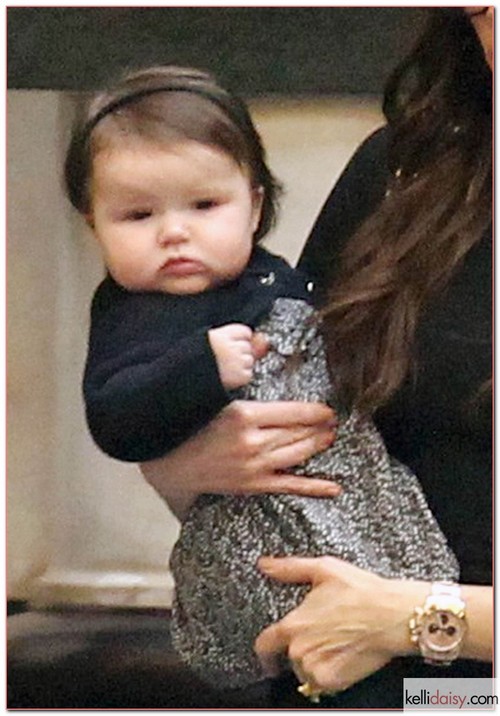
307,690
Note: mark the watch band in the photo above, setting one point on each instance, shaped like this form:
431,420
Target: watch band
438,627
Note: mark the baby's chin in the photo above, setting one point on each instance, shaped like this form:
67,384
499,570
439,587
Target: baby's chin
185,285
178,287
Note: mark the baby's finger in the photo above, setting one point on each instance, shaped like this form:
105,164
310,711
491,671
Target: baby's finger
260,345
247,360
241,332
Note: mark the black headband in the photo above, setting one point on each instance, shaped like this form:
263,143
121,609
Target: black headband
236,113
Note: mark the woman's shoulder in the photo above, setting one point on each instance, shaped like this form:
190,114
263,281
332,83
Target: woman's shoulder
373,150
363,182
354,197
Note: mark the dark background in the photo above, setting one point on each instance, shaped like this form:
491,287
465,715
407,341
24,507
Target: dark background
255,51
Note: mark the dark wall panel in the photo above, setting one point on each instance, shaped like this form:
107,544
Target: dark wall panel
297,51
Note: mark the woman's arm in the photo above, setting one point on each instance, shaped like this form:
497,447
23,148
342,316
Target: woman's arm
353,622
247,450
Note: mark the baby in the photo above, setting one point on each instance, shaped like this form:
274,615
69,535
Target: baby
170,174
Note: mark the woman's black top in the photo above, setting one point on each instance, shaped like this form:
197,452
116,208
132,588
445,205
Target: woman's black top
440,422
437,423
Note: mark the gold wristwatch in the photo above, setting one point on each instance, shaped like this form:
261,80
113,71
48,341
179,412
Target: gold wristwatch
439,627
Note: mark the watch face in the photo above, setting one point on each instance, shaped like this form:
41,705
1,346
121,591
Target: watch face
443,631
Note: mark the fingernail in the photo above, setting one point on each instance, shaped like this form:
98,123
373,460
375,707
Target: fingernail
265,564
335,490
329,489
327,440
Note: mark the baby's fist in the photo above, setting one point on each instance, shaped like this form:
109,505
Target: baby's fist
233,349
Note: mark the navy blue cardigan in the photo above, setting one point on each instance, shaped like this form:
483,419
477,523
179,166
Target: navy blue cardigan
151,378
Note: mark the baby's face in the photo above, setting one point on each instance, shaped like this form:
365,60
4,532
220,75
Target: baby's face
177,219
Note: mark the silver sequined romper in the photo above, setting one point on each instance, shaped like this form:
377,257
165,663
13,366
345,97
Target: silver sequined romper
380,522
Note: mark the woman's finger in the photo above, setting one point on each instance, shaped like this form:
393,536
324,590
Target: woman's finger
288,485
351,666
271,664
298,570
295,453
272,439
278,413
338,670
269,645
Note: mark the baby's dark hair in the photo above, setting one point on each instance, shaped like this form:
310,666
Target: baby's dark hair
168,104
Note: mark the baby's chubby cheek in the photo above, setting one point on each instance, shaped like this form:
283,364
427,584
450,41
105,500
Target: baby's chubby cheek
128,272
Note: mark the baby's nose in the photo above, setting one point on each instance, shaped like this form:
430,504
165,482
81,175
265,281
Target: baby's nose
173,229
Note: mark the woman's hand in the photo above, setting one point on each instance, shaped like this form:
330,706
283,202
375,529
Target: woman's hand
349,625
247,450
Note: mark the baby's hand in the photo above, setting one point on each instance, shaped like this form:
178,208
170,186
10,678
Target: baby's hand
234,352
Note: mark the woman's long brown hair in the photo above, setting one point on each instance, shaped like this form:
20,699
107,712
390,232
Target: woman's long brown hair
437,206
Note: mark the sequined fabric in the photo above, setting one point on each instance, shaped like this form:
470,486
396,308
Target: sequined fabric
380,522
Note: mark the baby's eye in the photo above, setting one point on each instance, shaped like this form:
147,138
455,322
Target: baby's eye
205,204
137,215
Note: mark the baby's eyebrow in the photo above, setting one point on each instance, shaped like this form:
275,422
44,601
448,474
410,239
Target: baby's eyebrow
133,192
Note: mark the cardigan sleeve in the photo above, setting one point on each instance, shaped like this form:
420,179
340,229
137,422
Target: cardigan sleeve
353,198
145,396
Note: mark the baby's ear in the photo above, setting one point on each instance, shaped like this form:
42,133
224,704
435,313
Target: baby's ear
89,220
257,200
